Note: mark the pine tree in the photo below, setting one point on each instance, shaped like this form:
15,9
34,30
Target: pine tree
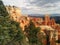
32,32
10,32
3,11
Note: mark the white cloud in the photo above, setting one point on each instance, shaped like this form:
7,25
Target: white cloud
36,6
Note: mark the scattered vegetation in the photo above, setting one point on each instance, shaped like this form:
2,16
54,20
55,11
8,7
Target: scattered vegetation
31,33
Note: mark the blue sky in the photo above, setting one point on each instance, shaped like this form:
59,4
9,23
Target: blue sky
36,6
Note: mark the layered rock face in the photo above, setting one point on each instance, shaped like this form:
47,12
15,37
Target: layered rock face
16,15
14,12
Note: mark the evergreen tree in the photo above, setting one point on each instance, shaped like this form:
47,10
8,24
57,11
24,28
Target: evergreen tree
32,32
10,31
3,11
